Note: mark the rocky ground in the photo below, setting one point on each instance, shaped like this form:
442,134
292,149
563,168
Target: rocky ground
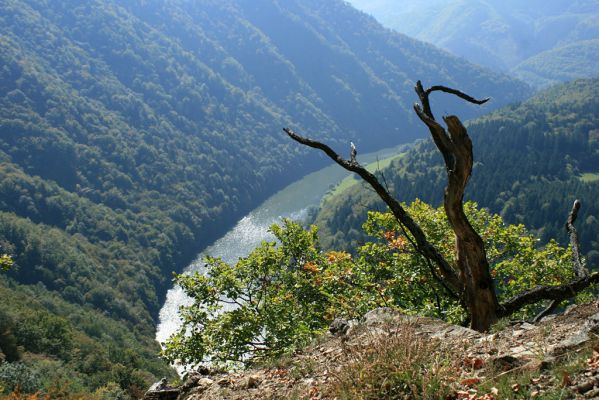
555,358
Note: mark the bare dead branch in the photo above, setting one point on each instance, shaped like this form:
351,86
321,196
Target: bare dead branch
434,274
548,310
558,293
456,92
424,94
579,269
472,282
396,208
442,141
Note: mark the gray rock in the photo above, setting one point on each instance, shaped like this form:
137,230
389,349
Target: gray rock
340,327
579,338
160,385
252,381
380,315
453,331
162,391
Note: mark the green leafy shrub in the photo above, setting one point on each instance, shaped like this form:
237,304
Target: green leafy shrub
282,295
44,333
112,391
13,375
5,262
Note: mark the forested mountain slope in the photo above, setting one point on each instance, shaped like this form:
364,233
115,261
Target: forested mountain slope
508,35
531,161
132,132
571,61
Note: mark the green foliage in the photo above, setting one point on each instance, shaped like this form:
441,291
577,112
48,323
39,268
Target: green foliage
111,391
43,333
267,304
68,345
516,260
561,64
280,296
9,350
5,262
13,375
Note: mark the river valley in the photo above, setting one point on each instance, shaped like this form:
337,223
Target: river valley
294,202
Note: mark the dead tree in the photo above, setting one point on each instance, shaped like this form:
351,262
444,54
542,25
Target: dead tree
469,280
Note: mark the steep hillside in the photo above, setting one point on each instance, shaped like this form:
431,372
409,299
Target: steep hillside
501,34
133,132
569,62
531,161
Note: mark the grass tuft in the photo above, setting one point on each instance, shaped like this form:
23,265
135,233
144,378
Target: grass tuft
402,365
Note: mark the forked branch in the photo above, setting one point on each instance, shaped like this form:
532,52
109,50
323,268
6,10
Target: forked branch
423,245
557,294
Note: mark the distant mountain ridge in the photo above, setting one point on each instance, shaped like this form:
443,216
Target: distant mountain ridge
133,132
503,35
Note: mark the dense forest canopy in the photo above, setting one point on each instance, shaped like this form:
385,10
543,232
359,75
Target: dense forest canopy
531,161
133,132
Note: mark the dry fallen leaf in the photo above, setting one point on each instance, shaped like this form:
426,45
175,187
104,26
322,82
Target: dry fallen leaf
470,381
474,362
463,395
566,381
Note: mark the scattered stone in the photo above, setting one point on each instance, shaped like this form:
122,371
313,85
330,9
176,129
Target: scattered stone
548,318
569,309
205,382
252,381
506,363
527,327
547,363
521,351
339,327
592,394
380,315
530,348
581,337
224,381
455,331
162,391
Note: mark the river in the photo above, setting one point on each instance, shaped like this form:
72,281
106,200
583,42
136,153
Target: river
293,202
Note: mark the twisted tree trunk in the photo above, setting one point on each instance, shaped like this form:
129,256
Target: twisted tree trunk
478,292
